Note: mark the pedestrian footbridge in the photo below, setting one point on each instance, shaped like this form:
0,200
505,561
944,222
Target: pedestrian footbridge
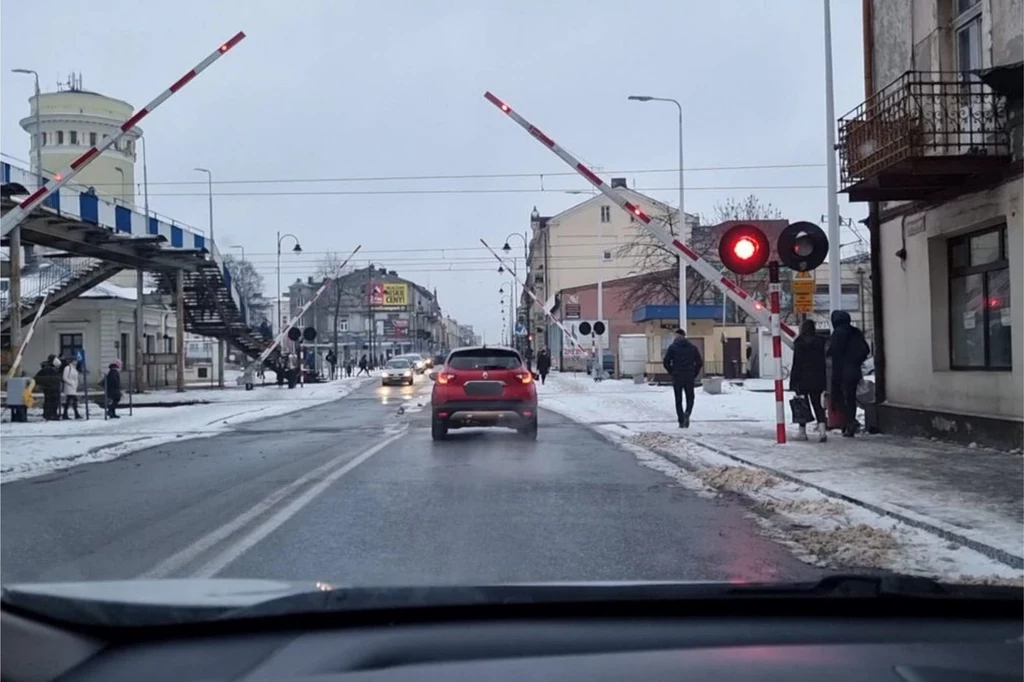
91,238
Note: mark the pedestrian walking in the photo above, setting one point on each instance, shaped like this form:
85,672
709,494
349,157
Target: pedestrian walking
69,378
332,360
48,381
363,366
807,380
683,362
847,350
543,364
112,389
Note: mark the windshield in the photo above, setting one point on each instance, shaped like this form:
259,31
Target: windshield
484,359
462,294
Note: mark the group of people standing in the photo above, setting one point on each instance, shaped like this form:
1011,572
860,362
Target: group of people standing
57,377
846,349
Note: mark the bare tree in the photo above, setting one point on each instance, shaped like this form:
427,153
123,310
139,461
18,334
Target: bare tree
658,266
249,283
332,266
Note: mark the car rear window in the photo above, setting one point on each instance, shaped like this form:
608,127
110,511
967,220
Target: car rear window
484,358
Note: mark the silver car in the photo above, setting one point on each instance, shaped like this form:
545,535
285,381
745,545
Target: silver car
398,371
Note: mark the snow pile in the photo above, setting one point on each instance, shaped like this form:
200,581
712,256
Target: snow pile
39,447
859,545
730,448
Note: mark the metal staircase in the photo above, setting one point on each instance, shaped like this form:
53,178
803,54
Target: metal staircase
63,278
210,310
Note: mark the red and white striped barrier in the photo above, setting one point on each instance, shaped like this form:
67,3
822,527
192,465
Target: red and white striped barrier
62,177
533,296
774,294
739,296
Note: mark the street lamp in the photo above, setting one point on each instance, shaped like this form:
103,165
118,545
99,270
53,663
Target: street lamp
682,210
295,249
14,237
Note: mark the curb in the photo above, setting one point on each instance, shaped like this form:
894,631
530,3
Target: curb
1002,556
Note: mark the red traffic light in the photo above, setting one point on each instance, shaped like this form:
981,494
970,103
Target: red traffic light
744,249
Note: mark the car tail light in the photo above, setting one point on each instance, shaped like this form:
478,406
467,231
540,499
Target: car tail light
445,377
524,377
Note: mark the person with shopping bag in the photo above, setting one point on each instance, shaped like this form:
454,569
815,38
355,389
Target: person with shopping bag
807,381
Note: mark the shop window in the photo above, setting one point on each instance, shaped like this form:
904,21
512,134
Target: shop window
979,301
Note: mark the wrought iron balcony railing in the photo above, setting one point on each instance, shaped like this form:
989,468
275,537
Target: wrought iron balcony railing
924,123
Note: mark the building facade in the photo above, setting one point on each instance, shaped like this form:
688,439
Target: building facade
582,245
405,316
71,121
936,150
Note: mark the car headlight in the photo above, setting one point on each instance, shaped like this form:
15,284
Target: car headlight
408,373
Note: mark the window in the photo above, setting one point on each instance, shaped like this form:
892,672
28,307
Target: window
979,301
606,256
43,138
70,344
73,135
92,139
343,324
484,359
606,214
60,137
967,34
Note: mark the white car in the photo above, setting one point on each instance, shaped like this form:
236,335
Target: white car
419,365
397,371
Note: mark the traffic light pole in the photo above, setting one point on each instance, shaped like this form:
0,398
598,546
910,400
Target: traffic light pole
774,294
739,296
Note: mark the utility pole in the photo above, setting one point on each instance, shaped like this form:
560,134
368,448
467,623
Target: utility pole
834,250
179,331
213,249
14,238
140,311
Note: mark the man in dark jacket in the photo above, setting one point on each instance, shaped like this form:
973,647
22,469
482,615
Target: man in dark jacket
848,350
48,381
543,364
112,389
683,362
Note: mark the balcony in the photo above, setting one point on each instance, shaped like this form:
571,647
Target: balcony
924,134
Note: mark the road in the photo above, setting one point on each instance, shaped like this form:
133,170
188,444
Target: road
355,491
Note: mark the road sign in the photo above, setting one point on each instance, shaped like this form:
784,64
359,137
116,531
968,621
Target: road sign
803,292
520,330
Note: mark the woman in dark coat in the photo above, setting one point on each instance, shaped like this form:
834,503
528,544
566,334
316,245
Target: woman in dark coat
807,375
48,381
543,364
112,388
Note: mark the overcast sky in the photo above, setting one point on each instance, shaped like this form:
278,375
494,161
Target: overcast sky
326,89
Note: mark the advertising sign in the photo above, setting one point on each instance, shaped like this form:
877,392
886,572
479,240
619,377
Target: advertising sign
803,292
389,295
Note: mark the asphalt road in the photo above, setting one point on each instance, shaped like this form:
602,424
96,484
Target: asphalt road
356,492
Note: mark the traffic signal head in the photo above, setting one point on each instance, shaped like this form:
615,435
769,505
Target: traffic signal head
744,249
802,246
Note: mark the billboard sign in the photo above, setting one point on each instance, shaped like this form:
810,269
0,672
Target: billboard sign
389,295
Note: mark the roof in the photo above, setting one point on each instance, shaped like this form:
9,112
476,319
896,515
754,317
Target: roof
632,193
670,311
108,290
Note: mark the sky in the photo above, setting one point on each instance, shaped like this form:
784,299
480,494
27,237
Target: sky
327,105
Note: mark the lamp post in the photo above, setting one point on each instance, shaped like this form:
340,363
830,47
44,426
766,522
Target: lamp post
295,249
682,209
507,248
14,237
213,249
140,330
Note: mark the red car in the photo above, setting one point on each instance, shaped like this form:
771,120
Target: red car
483,386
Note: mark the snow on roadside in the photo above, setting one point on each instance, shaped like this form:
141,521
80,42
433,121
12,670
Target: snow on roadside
819,528
37,448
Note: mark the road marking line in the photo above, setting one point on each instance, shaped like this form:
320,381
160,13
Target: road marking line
182,558
250,539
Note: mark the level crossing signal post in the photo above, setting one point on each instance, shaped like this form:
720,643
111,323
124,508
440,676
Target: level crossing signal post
744,249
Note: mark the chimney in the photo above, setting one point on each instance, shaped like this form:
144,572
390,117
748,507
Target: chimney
619,182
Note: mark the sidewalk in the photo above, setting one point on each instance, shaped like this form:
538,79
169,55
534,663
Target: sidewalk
964,496
40,447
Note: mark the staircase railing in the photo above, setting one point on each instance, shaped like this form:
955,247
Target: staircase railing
52,274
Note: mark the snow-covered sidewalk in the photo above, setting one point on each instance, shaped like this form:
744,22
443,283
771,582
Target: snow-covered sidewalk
882,501
40,447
